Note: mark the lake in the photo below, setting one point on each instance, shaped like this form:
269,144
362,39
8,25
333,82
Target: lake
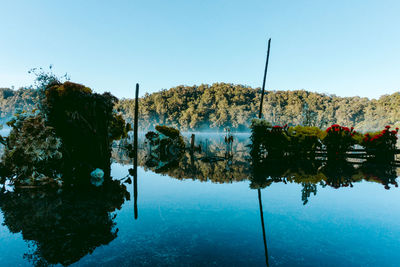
202,216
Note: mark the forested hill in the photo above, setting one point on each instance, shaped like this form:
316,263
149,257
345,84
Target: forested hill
214,107
13,99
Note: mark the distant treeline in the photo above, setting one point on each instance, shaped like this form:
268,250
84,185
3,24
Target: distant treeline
214,107
10,100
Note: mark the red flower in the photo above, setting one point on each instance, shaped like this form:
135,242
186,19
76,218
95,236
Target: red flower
335,125
387,126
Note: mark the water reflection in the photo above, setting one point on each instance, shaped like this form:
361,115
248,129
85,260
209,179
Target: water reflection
240,167
63,226
310,174
66,226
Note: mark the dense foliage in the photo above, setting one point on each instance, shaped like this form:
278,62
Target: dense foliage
220,105
338,140
84,121
379,143
32,151
214,107
68,136
277,141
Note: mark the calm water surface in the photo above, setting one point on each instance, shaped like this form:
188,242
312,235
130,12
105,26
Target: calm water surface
192,223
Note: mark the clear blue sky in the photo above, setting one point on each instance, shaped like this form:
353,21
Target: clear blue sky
341,47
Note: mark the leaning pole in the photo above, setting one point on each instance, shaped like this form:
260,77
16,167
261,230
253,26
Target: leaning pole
259,190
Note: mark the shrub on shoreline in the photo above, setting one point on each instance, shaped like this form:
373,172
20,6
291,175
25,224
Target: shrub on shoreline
278,141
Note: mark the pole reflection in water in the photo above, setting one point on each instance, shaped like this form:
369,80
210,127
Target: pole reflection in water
263,226
135,191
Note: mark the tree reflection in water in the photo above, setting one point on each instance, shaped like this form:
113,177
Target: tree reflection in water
63,226
263,173
310,174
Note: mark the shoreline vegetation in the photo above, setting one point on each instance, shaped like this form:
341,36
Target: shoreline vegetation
65,141
220,105
65,133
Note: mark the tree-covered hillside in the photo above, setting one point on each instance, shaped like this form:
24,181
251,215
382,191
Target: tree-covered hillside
214,107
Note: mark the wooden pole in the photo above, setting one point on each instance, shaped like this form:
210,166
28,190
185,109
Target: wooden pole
259,191
135,150
265,77
135,126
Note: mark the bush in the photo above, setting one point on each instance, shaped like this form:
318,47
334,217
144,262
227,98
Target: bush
305,139
338,140
266,138
381,144
85,122
32,154
69,114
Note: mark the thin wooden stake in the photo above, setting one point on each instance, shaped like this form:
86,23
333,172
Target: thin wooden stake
135,150
265,77
135,126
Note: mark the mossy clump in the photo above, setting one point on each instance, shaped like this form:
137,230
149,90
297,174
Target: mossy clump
168,131
70,135
171,133
86,124
304,139
166,146
33,152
